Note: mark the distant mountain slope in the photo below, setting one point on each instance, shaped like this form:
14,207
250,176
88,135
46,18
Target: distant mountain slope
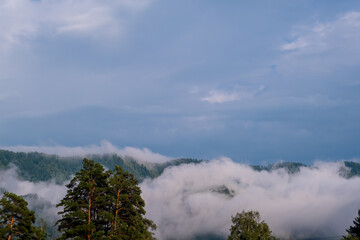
291,167
354,168
37,167
351,168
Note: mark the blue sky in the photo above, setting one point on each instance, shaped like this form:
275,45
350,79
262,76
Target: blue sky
257,81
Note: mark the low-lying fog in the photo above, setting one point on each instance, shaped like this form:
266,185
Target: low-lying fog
191,200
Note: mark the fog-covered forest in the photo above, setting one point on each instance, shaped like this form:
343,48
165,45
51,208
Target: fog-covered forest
195,199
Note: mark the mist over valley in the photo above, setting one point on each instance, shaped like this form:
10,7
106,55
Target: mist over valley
195,199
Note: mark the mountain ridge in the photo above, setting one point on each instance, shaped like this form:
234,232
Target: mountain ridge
36,167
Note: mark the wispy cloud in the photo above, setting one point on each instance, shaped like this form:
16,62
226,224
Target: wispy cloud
22,20
324,36
299,43
140,154
86,22
220,96
216,96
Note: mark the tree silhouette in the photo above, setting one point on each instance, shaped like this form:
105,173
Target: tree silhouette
354,231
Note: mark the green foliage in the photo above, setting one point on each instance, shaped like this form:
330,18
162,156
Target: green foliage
44,220
247,226
85,204
354,168
37,167
127,207
159,168
140,171
103,205
349,237
291,167
354,231
16,220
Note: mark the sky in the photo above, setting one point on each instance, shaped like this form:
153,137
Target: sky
256,81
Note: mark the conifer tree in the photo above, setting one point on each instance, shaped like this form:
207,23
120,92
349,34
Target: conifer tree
354,231
103,205
84,206
127,208
16,219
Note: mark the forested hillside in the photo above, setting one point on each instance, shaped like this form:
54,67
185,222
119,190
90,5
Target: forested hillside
37,167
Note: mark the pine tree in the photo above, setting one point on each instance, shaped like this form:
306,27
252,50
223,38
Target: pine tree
16,219
354,231
128,208
84,206
103,205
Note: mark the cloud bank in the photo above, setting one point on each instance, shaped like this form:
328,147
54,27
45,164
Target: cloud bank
105,147
192,200
50,191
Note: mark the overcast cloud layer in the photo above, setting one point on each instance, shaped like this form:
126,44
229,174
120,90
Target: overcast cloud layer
189,200
252,81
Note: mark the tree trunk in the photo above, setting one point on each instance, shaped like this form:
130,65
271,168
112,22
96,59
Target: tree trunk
11,226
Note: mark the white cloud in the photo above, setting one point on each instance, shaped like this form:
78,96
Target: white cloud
48,194
105,147
238,94
86,22
322,51
343,33
143,154
299,43
186,201
216,96
22,20
47,190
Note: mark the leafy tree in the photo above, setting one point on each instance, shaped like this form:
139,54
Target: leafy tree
103,205
16,219
247,226
354,231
